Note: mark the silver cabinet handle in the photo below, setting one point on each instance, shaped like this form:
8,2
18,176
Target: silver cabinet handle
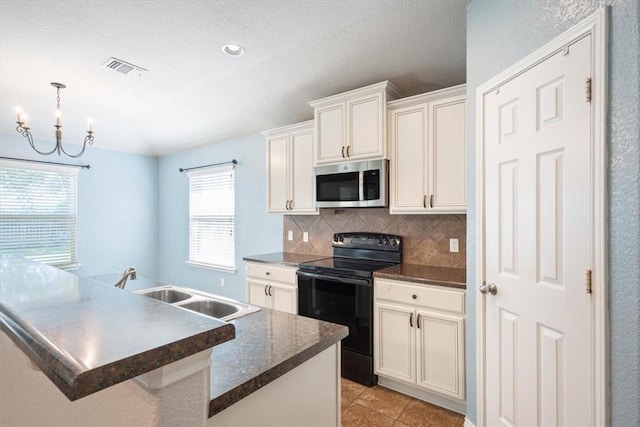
348,155
431,201
343,151
290,205
424,201
418,321
270,290
411,320
491,288
265,289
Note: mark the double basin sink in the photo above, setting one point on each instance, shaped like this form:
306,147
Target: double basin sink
200,302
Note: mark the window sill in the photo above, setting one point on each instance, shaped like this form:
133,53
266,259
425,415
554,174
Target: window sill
70,267
211,267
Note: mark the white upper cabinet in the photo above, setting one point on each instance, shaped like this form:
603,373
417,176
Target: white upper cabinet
428,153
290,181
352,125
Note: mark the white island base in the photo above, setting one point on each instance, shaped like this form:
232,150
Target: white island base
308,395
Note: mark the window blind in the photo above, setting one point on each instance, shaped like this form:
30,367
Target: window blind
212,217
38,209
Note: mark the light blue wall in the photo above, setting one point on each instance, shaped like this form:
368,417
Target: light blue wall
117,207
256,231
499,33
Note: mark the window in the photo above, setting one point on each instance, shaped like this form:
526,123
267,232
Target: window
38,212
212,217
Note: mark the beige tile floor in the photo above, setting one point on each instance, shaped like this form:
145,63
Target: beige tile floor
379,406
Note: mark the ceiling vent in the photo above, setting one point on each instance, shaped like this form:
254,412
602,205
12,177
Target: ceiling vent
123,67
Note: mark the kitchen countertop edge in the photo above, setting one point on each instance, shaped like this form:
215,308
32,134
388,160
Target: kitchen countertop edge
425,274
287,259
68,374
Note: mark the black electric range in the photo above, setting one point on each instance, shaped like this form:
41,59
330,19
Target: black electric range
339,289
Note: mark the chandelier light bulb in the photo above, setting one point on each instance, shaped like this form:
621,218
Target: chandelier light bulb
58,117
89,124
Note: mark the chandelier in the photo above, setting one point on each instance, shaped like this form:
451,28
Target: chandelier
23,129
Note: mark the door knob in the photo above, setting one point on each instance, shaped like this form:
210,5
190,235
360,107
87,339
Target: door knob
491,288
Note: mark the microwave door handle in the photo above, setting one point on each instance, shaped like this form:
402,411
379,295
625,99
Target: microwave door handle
361,185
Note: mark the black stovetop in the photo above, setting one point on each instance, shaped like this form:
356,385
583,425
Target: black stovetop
345,266
358,254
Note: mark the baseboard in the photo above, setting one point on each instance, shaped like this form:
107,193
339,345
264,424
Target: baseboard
468,423
444,402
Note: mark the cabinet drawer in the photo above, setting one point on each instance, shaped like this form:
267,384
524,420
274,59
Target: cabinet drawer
425,295
271,272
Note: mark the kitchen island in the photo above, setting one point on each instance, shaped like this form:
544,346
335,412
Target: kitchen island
124,359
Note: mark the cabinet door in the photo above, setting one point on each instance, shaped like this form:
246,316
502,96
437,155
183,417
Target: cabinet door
302,178
408,171
284,298
330,133
440,360
448,155
366,137
277,173
394,342
257,292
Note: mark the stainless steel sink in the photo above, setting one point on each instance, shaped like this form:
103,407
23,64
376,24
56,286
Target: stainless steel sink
212,308
167,295
200,302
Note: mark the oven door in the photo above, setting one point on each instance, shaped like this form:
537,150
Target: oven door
343,300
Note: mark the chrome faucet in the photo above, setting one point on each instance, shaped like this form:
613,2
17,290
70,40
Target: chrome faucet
129,272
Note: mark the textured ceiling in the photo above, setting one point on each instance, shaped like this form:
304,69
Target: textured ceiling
193,94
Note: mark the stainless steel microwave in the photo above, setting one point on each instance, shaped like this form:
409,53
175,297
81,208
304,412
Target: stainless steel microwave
352,185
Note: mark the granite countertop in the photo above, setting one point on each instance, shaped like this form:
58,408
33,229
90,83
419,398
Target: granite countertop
86,336
268,344
288,259
429,275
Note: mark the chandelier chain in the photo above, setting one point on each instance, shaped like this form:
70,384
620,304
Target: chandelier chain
58,99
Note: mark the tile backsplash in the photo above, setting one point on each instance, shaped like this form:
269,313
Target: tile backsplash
425,237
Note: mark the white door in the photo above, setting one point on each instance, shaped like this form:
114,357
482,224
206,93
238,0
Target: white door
278,170
440,357
448,154
538,193
395,351
302,178
284,298
365,117
257,292
330,134
408,162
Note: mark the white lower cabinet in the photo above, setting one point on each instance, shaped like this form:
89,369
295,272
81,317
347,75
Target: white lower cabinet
272,287
419,337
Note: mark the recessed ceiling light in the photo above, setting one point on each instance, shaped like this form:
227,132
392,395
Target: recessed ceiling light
233,49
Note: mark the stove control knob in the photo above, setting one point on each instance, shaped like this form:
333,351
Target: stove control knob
394,242
379,241
386,242
335,239
341,239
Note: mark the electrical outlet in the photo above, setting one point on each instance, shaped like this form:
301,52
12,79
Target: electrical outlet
290,235
222,283
454,245
305,236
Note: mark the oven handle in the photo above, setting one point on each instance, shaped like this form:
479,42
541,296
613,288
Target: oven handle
349,280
